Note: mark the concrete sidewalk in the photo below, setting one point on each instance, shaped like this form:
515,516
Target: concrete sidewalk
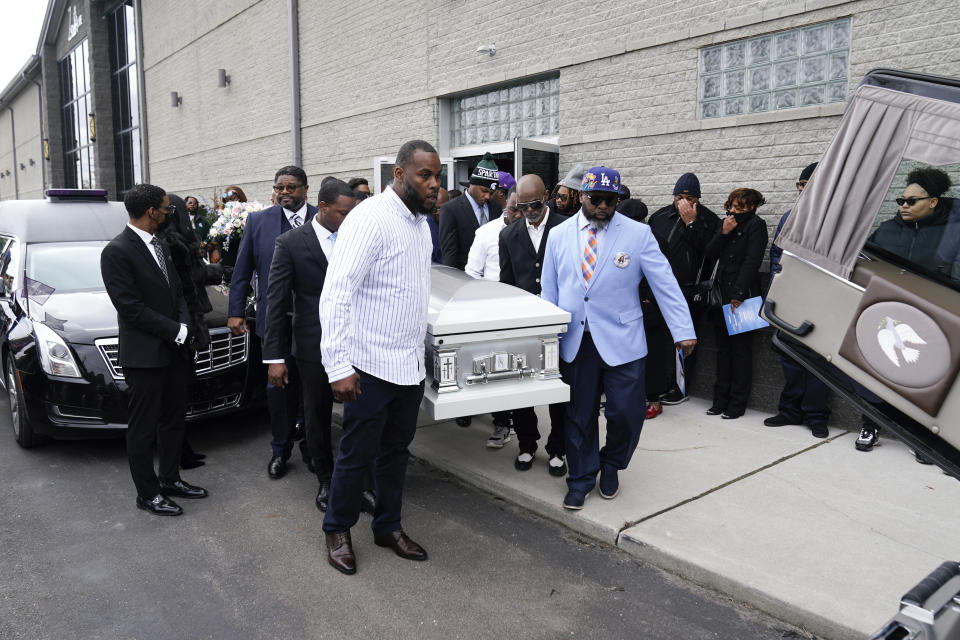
811,531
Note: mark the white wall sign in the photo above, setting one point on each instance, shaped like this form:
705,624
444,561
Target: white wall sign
76,21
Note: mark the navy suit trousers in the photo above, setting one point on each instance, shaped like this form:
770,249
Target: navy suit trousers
378,428
588,375
804,396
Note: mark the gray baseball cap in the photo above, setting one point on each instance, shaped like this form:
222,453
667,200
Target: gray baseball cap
574,177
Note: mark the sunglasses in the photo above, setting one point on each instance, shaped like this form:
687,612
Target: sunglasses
910,201
280,188
610,199
169,209
227,194
534,205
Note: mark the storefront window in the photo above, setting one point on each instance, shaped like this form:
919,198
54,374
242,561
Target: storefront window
78,155
126,96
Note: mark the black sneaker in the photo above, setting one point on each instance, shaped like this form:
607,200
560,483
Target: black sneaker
673,397
869,437
778,420
819,430
922,459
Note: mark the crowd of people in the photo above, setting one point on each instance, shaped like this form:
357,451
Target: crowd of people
342,290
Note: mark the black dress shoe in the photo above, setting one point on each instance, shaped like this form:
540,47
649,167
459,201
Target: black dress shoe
191,463
340,552
714,411
323,495
182,490
401,544
778,420
298,431
368,502
464,421
159,505
277,467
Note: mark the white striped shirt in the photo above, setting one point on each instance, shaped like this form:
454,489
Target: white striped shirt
373,308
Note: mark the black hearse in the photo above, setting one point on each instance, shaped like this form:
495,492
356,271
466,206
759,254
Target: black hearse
58,329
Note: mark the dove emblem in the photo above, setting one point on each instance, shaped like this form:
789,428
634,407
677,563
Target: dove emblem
894,338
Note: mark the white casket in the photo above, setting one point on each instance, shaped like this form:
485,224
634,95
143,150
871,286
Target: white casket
489,347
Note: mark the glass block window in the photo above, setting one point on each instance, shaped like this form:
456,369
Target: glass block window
499,114
796,68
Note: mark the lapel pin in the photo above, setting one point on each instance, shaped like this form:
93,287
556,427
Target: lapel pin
621,260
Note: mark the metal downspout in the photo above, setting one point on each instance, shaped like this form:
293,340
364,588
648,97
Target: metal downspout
43,160
293,9
13,141
142,97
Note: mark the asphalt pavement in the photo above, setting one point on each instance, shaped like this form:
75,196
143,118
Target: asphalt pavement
80,561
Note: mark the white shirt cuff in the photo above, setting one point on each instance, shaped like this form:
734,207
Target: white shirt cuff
339,373
181,335
281,361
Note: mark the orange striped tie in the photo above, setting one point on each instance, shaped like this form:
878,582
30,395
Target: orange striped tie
589,256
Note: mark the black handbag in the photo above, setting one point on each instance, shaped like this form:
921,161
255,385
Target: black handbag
707,295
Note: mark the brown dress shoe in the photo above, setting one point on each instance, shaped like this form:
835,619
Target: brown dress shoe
340,552
402,545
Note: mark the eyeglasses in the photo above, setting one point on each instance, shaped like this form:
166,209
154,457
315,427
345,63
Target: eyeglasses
281,188
534,205
910,201
610,199
169,209
563,197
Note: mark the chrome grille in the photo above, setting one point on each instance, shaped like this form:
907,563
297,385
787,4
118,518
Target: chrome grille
224,350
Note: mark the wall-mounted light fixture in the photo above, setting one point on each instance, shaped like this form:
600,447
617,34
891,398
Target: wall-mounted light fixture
93,128
175,99
46,148
487,48
32,163
222,78
8,171
22,166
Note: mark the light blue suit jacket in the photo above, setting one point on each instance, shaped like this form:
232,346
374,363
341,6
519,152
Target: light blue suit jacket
627,253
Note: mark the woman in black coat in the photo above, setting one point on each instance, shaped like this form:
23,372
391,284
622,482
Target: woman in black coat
739,246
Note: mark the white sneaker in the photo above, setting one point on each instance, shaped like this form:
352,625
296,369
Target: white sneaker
500,437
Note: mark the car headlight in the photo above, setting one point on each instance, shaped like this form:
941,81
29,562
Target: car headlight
55,357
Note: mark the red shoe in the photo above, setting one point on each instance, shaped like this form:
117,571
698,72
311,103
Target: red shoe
653,410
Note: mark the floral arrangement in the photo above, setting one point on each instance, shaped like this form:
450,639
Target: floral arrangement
228,228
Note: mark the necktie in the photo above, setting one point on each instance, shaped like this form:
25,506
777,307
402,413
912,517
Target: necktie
589,256
295,220
333,239
163,264
483,216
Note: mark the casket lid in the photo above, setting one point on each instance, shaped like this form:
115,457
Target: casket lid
460,304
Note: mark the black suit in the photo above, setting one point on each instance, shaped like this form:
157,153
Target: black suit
150,311
521,267
297,273
458,225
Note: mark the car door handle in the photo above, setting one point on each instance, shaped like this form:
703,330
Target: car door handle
768,310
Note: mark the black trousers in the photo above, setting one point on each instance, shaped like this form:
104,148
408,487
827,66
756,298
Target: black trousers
158,400
525,426
731,391
317,409
283,405
804,396
378,428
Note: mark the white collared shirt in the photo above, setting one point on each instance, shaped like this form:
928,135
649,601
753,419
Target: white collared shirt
483,261
323,235
582,224
482,213
376,295
536,233
302,212
148,240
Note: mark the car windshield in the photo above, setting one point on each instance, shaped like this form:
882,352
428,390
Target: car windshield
62,267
